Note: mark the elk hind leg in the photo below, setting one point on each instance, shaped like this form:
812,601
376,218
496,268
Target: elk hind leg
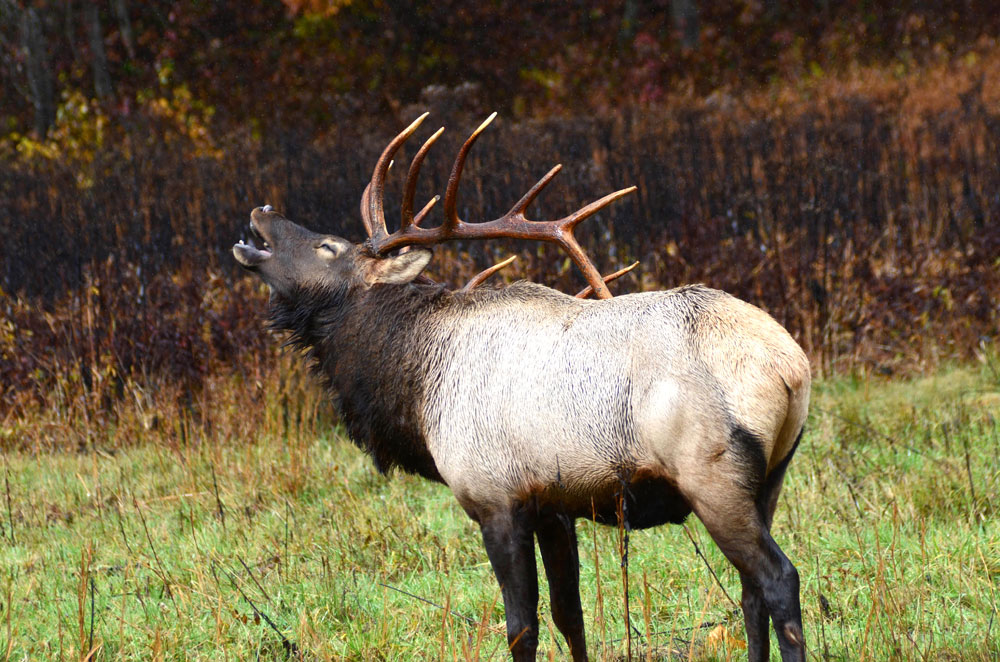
770,581
755,617
755,612
730,510
557,542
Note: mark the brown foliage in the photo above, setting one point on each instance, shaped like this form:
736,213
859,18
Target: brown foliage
864,219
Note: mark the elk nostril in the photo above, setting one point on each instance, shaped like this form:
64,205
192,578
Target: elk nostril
267,208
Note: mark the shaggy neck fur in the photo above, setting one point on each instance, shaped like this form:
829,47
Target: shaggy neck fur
371,347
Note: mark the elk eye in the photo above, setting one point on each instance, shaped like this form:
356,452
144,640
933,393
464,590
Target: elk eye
330,249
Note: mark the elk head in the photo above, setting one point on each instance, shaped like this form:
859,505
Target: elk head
286,255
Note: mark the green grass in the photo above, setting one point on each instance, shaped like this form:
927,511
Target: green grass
220,547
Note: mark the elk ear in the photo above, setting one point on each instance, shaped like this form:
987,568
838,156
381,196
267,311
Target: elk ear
399,269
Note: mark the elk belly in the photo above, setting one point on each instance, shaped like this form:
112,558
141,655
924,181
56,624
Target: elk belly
645,498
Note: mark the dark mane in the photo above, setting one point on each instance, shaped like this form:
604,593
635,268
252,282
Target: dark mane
369,348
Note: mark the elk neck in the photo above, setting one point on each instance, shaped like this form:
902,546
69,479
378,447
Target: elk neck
370,347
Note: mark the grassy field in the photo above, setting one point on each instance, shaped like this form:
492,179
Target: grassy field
281,542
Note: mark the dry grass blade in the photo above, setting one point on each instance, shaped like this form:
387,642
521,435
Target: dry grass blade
708,565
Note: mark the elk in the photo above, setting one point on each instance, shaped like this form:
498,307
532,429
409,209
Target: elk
537,408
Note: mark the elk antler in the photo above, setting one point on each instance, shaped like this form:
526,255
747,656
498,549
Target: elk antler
481,277
513,224
587,291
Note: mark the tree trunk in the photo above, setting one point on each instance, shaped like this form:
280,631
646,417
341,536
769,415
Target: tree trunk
685,15
98,58
38,71
69,29
124,25
629,21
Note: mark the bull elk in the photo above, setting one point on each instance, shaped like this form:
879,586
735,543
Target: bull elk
537,408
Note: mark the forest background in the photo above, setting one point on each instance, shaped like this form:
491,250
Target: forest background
835,163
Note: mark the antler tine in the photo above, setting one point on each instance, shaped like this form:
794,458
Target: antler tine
587,291
427,208
522,205
569,244
566,239
372,213
369,229
451,220
410,189
479,278
574,219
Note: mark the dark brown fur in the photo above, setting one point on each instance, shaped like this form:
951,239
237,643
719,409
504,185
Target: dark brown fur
345,335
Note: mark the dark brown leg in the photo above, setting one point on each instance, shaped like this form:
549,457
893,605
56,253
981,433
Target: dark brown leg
770,585
557,542
510,546
738,523
756,618
755,612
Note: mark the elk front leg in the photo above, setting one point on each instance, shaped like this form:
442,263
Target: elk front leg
510,545
557,542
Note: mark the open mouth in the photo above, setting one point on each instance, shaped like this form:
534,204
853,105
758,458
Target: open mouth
252,249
